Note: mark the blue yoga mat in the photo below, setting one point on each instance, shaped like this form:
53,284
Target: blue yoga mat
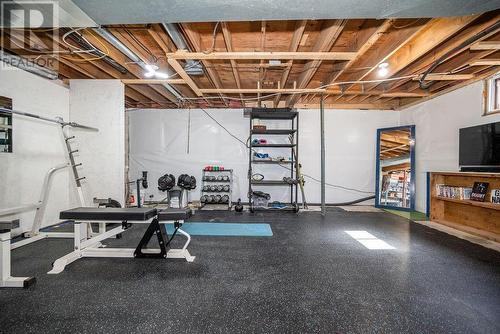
225,229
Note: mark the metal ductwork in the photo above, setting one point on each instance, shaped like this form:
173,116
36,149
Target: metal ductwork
192,67
28,66
130,54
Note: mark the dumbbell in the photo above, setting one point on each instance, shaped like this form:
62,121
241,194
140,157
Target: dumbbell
203,199
213,188
210,199
225,178
206,188
225,199
225,188
217,199
220,187
220,178
212,178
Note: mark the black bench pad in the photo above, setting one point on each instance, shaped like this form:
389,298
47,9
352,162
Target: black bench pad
9,225
174,214
108,214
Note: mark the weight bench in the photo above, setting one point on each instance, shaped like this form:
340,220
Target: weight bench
6,280
90,246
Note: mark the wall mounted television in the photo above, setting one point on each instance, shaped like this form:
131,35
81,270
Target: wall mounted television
479,148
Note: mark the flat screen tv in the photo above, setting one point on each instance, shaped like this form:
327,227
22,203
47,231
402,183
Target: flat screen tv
479,148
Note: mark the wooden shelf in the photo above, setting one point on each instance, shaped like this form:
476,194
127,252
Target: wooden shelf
487,205
479,218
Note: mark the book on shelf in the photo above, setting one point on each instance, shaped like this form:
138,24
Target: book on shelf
495,196
479,191
462,193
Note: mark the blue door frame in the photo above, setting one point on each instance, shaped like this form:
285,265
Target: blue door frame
412,172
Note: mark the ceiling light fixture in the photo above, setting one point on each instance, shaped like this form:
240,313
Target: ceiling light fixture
152,71
383,69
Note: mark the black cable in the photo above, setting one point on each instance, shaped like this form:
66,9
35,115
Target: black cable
308,176
352,202
448,54
173,235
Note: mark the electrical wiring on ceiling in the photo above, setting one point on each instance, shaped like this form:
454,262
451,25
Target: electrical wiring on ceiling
93,51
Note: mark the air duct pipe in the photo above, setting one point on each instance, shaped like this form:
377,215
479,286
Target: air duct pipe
28,66
192,67
130,54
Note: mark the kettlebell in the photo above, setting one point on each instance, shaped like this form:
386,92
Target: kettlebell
238,207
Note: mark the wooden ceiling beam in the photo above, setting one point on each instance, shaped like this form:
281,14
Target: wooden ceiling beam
423,63
446,77
485,62
434,33
194,39
324,43
300,26
247,55
388,43
382,29
486,45
154,81
261,91
362,106
482,76
180,71
229,46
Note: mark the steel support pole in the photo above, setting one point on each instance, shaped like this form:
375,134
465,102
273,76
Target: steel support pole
322,133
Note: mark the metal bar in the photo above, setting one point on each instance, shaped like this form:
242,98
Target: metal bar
56,120
37,221
322,133
18,209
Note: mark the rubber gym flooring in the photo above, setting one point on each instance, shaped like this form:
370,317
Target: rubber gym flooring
310,277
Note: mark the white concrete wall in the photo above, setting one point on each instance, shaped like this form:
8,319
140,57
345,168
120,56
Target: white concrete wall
37,146
100,104
437,122
158,144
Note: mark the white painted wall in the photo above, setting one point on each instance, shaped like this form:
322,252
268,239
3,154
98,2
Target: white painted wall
37,145
100,104
437,122
158,144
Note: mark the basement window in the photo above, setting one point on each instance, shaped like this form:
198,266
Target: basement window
5,126
492,95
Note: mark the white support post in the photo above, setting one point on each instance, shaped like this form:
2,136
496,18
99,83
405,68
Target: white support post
6,280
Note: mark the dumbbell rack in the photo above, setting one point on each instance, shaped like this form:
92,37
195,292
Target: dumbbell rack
205,181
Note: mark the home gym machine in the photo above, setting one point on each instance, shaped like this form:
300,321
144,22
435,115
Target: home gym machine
35,233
